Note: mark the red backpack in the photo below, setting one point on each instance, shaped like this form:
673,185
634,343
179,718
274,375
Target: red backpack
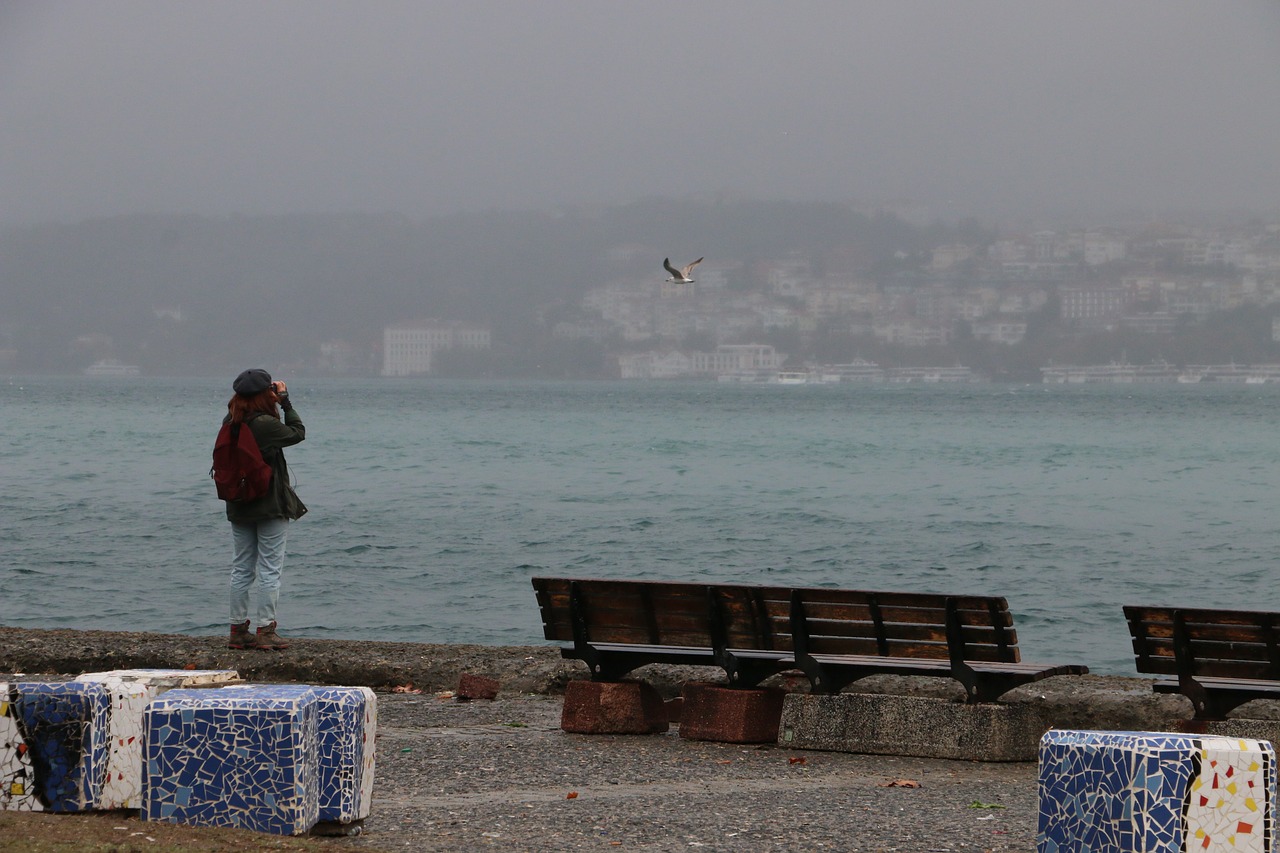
238,469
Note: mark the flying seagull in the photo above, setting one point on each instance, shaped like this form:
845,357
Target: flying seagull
680,275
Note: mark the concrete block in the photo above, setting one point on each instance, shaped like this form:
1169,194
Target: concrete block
1235,727
477,687
927,727
613,708
1155,792
729,715
53,756
245,757
129,691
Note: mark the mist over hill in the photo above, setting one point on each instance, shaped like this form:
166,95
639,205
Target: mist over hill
193,294
565,294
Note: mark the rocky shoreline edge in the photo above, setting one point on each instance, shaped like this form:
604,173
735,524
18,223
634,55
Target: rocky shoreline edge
382,666
1089,701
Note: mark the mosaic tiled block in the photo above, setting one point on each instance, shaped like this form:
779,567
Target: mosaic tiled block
348,721
130,690
1143,792
348,727
53,745
241,757
17,774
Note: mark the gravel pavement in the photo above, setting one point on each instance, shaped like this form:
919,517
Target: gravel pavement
502,775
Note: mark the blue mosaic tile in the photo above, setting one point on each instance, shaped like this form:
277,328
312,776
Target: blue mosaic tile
243,757
53,745
1152,792
348,727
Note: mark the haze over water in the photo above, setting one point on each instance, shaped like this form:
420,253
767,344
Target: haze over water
432,503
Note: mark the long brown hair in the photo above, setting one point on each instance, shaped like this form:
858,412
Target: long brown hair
262,403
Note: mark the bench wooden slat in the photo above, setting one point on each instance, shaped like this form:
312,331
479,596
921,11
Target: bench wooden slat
1261,685
902,648
1208,653
1199,615
1212,632
859,613
1209,669
974,635
1023,673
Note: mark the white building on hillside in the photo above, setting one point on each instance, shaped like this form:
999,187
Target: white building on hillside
407,348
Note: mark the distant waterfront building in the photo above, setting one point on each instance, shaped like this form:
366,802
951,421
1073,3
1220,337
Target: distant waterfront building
407,348
1000,330
1092,305
654,365
1151,323
755,360
730,358
1101,247
912,332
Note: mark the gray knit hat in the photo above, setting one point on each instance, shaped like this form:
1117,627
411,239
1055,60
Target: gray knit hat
253,381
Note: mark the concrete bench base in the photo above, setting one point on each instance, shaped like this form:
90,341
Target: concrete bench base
1237,727
910,725
613,708
727,715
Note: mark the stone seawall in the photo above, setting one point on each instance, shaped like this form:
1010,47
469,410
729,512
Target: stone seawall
1105,702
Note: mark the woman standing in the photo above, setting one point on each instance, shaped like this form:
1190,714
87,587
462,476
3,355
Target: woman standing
258,526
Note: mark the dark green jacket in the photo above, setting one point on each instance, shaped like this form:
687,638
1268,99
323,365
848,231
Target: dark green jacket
280,501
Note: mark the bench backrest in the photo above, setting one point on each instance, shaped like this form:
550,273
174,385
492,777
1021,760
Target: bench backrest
1205,642
906,624
661,613
671,613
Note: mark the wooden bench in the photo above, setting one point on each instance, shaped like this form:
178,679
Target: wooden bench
840,636
617,626
751,632
1219,659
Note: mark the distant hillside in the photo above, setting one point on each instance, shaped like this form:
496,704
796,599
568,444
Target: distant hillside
189,294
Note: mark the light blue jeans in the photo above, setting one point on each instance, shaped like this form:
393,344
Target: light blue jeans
258,553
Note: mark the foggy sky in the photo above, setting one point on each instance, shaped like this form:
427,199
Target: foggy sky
981,107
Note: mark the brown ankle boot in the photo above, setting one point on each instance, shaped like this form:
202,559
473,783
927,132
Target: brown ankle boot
240,637
269,640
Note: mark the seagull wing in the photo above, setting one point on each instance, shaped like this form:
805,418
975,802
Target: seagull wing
666,262
685,272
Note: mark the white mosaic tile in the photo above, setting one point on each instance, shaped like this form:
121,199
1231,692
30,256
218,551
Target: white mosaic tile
17,776
167,678
1226,806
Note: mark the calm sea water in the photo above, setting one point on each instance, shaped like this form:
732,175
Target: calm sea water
432,503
